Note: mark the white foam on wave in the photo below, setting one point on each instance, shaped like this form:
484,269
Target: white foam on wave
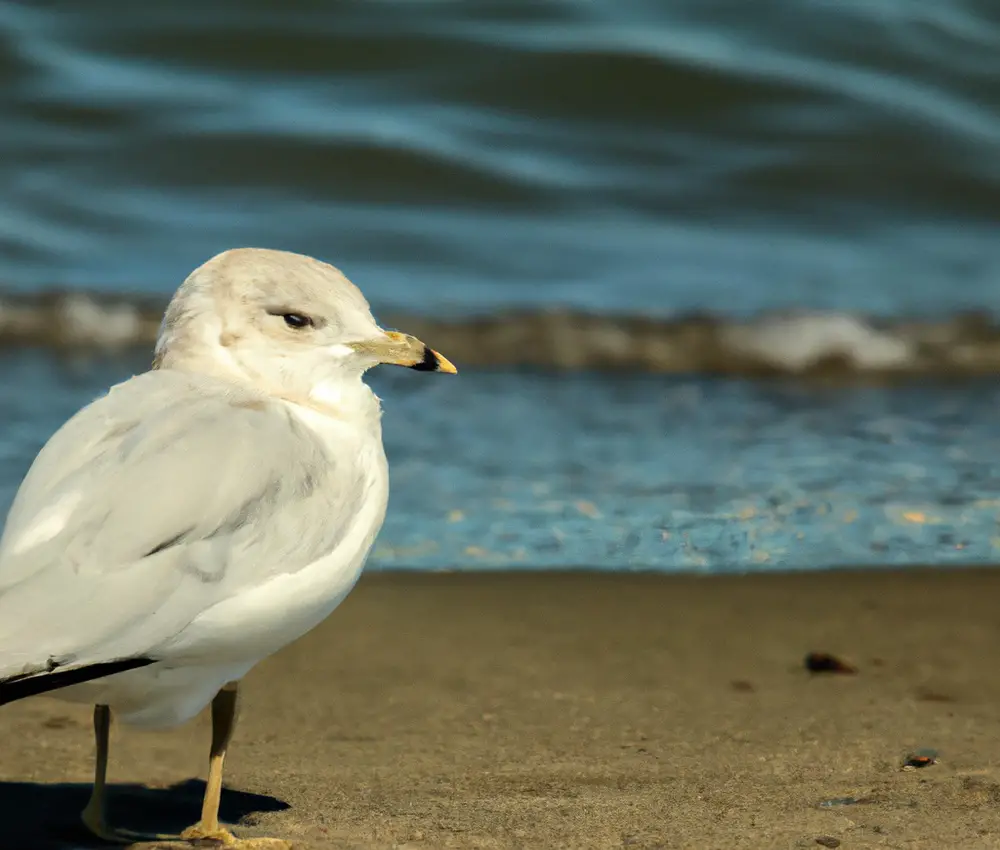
84,321
799,342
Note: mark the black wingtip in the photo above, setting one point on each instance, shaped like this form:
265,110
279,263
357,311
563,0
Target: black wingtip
19,687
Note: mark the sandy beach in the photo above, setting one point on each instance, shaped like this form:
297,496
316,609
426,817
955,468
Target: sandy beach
578,711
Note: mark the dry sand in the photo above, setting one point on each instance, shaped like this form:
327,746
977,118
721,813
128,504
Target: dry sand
581,711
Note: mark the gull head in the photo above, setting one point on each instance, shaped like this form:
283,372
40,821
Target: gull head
288,324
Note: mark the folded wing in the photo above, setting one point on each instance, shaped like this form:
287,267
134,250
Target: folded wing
147,508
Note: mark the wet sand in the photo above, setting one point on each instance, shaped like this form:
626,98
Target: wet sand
543,711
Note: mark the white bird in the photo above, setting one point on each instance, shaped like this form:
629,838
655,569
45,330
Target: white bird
204,514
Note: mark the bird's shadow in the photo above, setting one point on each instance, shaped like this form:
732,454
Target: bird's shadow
41,816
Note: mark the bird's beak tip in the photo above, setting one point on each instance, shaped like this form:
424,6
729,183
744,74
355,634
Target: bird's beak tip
434,362
445,365
409,351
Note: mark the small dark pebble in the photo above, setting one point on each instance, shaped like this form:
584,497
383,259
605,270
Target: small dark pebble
823,662
828,841
846,801
928,695
742,686
839,801
920,758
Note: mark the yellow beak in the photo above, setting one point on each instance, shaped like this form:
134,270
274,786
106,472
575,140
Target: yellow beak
405,350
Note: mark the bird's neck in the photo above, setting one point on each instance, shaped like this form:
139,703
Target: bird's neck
344,398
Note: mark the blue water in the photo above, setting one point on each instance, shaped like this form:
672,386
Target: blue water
460,156
639,473
666,474
636,157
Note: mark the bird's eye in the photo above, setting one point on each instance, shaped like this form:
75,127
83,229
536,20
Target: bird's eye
297,321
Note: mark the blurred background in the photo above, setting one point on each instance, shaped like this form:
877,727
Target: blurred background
721,278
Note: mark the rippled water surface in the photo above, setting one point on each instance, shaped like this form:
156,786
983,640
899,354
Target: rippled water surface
532,470
610,156
460,155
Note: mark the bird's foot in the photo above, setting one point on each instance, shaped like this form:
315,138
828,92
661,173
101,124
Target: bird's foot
193,836
199,836
98,827
202,837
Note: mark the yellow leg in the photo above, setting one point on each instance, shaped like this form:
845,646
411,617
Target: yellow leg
223,722
94,813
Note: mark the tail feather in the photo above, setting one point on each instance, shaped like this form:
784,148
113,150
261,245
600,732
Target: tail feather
19,687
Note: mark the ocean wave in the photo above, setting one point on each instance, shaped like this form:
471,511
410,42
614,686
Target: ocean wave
605,154
804,344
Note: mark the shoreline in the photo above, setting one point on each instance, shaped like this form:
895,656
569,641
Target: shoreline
581,710
828,346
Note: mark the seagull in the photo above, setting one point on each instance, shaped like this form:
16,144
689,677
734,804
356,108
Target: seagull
202,515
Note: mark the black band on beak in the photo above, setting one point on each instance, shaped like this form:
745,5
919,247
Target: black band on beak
430,363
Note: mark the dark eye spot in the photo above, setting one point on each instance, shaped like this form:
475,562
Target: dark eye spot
297,321
292,319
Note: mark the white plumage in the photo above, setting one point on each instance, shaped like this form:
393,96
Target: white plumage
206,513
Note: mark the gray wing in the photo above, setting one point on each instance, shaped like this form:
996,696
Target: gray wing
148,507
